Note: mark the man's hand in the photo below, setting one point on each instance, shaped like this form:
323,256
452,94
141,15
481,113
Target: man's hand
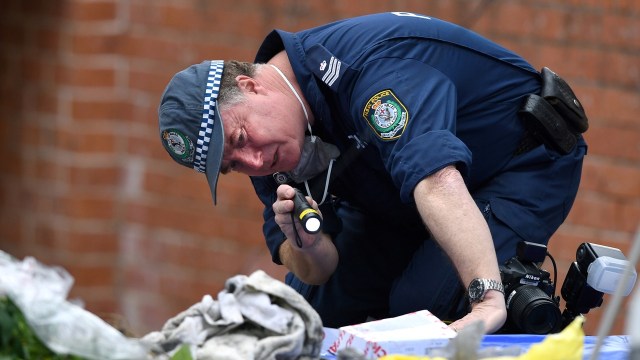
492,311
317,258
290,226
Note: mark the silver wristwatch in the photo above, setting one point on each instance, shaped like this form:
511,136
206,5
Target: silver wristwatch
479,287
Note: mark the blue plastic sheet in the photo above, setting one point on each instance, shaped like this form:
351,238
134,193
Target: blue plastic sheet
615,347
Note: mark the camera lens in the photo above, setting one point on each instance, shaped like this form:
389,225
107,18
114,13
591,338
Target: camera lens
533,311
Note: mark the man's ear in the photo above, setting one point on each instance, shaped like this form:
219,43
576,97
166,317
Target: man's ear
247,84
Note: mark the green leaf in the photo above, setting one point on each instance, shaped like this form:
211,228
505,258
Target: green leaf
183,354
18,341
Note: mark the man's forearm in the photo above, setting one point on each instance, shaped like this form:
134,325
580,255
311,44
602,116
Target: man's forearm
457,224
314,264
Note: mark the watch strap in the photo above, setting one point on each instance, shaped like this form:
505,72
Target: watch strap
487,284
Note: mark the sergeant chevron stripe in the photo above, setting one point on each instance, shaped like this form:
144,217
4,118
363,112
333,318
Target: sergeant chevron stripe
332,72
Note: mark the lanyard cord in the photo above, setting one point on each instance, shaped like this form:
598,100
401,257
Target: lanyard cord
326,184
295,231
306,115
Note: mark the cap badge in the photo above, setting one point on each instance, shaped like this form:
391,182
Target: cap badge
178,144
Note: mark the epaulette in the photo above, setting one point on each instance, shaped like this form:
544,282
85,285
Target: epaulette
327,67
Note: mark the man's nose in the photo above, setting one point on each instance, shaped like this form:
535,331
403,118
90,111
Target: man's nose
252,160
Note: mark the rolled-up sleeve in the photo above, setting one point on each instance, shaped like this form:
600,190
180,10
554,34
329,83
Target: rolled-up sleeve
424,155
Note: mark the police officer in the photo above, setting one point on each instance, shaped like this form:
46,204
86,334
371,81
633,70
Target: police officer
408,131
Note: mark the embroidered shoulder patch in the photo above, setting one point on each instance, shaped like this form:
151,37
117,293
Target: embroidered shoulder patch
386,115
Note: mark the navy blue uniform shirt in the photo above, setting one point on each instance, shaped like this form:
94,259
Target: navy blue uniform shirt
422,94
458,94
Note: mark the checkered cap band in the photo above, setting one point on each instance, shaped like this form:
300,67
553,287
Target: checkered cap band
208,114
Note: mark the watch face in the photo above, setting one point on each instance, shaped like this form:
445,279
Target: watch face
476,289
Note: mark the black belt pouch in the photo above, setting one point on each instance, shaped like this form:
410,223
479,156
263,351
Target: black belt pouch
558,93
546,125
555,117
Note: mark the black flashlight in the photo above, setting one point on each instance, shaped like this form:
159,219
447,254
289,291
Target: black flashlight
308,216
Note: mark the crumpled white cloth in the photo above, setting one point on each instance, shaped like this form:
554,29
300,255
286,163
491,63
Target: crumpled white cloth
255,317
40,292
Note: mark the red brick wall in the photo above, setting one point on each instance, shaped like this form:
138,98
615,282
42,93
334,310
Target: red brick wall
86,184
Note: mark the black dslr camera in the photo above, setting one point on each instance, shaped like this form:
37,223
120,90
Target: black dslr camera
533,307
